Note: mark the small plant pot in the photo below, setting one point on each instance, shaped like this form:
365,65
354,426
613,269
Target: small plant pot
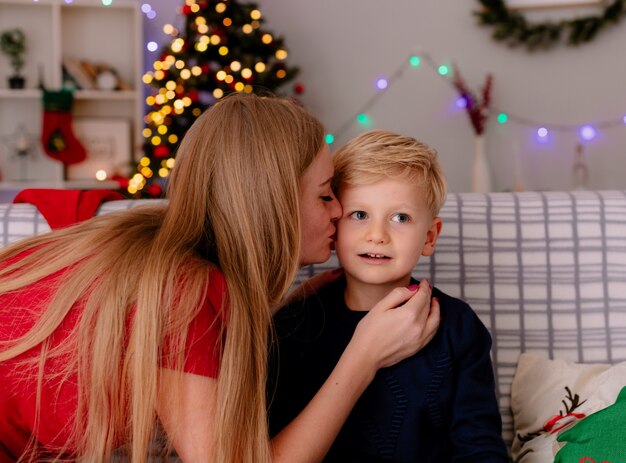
16,82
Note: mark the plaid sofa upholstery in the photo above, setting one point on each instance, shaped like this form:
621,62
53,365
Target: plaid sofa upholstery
546,272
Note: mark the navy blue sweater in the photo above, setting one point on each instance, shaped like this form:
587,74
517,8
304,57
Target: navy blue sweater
436,406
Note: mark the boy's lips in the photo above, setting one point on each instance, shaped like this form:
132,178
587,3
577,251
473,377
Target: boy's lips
374,257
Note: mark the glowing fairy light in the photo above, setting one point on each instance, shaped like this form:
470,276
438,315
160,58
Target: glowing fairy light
362,119
587,132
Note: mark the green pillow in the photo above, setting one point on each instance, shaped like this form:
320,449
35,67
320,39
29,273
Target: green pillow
598,438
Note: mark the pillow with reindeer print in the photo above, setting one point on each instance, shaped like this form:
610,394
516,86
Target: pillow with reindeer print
549,397
599,438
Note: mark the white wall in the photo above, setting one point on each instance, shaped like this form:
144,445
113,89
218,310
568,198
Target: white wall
343,46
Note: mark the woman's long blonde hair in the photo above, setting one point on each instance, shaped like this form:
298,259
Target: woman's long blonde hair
233,204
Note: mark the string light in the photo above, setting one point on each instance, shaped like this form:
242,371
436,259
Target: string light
415,61
382,83
330,138
147,9
543,132
587,132
107,2
362,119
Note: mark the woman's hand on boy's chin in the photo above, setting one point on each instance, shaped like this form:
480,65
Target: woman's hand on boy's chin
310,286
398,326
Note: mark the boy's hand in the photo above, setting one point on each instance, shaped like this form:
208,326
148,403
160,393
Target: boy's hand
400,325
310,286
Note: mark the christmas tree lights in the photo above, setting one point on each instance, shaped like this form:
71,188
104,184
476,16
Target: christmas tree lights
223,47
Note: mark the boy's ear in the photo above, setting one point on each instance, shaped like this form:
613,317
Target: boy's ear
431,237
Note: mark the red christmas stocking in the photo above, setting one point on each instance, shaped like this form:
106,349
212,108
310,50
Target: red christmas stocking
57,137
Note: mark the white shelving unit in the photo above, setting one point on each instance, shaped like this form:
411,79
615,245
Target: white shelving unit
84,30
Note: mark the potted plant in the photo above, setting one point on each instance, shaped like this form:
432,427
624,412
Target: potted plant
13,44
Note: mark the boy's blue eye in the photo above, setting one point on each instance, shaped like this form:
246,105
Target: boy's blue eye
359,215
401,218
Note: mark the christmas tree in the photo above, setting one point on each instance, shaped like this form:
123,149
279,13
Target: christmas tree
223,48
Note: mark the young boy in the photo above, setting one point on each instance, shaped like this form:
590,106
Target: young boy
437,406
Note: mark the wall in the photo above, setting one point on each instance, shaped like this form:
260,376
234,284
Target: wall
342,47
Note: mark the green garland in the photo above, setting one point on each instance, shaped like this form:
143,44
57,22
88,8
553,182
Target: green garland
512,27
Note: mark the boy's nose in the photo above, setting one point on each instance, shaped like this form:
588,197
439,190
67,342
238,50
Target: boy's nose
377,233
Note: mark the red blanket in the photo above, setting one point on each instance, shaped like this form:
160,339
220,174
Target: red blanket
62,208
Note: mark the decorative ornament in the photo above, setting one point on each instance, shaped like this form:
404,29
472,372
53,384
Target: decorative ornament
478,111
580,171
20,145
57,135
13,44
514,29
298,88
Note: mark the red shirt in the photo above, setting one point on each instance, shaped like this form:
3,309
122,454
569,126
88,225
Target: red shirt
18,383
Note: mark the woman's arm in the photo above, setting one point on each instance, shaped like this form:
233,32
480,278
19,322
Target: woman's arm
188,423
310,286
385,336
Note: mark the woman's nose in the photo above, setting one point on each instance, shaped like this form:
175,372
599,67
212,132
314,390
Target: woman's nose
335,210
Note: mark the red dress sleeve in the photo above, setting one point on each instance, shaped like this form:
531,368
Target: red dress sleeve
203,350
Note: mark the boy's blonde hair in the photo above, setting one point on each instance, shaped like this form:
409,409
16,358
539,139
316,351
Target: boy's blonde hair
379,154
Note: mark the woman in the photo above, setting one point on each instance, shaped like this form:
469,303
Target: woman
122,322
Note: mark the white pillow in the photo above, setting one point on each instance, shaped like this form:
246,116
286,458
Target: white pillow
543,389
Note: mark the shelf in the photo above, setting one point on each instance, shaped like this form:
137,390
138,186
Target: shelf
82,30
33,93
26,93
63,185
105,95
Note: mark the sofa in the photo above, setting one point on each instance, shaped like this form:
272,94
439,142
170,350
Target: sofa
545,271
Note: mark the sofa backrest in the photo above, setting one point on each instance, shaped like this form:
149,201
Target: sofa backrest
546,272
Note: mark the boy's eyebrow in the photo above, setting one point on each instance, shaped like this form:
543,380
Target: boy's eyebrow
330,179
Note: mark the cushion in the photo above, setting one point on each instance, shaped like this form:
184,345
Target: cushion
597,438
549,397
